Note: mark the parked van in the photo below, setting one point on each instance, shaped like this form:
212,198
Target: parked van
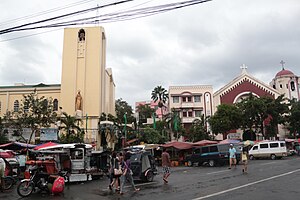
212,155
268,149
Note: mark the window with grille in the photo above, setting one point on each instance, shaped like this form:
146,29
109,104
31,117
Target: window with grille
16,106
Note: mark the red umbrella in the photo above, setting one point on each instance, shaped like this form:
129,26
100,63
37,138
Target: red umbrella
48,144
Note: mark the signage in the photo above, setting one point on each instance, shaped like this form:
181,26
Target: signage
48,134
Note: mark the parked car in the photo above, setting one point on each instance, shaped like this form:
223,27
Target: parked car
268,149
212,155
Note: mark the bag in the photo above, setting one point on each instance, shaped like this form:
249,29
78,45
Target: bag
118,172
58,185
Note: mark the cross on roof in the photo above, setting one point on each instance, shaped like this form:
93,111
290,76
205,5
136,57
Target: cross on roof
282,64
243,67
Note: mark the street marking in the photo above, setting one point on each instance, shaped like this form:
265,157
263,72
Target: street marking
141,184
268,163
218,172
246,185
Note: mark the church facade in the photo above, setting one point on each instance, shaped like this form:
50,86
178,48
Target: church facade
87,87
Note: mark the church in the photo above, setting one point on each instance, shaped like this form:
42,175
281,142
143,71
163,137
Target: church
284,83
87,87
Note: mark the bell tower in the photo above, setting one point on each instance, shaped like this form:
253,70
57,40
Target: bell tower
83,74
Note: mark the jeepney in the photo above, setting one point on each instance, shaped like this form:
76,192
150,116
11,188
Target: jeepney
73,158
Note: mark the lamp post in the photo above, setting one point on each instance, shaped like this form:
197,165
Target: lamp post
125,132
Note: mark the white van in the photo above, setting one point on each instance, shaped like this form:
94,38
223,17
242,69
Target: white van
268,149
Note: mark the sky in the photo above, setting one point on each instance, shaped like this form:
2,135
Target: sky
204,44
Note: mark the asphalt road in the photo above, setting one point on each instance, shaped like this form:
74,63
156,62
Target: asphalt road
266,179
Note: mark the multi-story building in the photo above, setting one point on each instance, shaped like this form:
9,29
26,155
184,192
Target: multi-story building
191,102
87,87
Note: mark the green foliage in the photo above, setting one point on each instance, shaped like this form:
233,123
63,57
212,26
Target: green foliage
72,137
159,94
71,128
123,107
226,118
293,117
3,135
145,111
198,130
152,136
34,113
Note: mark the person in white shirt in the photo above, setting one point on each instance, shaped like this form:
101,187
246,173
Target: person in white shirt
2,172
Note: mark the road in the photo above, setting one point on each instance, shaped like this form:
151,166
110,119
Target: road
266,179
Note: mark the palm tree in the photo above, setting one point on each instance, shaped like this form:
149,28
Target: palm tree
160,94
70,124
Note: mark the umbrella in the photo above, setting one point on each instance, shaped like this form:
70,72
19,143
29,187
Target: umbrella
248,143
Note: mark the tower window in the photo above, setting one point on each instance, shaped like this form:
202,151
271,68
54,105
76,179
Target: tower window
280,85
81,35
274,86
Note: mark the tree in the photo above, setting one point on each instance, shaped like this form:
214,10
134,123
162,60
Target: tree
293,118
122,108
160,94
34,112
198,130
226,118
73,132
3,135
144,111
151,136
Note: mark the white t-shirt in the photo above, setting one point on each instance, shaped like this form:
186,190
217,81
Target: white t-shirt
2,167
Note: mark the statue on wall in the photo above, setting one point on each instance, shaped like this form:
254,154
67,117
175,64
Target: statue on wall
78,101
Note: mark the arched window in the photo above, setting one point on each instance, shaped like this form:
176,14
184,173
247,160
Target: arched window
16,106
55,105
292,85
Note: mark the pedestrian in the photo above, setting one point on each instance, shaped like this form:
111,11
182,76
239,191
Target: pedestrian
166,164
245,159
232,156
114,170
127,174
2,173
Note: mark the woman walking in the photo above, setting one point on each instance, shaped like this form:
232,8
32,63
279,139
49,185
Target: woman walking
127,174
245,159
115,166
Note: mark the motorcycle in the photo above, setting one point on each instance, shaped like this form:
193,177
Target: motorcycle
39,179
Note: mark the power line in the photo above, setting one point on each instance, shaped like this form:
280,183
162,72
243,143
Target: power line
45,12
119,16
61,16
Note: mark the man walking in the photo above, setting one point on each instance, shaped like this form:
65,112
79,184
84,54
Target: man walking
232,156
166,164
2,173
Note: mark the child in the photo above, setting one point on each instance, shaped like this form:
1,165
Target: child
245,159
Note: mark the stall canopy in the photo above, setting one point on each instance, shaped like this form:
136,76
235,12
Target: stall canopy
48,144
178,145
204,142
16,146
227,141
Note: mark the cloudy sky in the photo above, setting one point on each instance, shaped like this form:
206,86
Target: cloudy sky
204,44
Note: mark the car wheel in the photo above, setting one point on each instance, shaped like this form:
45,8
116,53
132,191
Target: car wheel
251,157
190,163
273,156
211,163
